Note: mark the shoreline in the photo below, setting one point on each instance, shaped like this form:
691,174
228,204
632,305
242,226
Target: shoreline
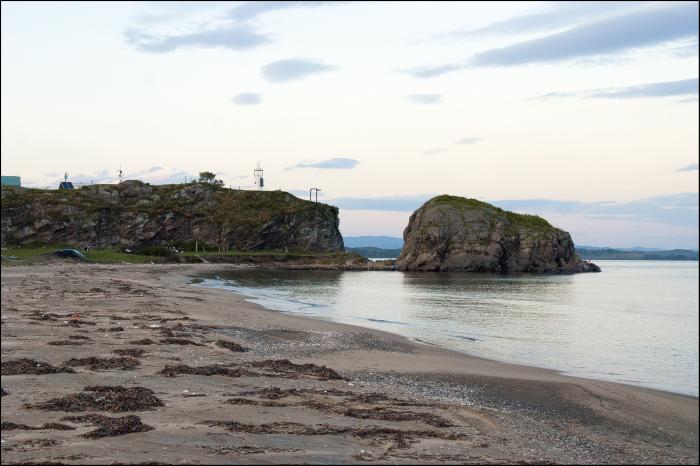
440,405
249,298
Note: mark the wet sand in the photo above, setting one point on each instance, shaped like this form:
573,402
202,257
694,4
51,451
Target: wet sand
202,376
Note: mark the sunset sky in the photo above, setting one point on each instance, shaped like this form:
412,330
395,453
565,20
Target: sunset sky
585,113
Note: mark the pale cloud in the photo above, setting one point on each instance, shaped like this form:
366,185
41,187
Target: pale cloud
594,40
681,208
424,98
231,36
395,203
437,150
689,168
330,164
554,15
294,69
472,140
432,71
657,89
251,10
669,221
247,98
613,35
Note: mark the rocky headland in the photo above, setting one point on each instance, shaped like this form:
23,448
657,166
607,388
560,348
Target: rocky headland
450,233
133,213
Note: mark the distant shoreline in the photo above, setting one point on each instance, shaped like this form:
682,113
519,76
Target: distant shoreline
584,253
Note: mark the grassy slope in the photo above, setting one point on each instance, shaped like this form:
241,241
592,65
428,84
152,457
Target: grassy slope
526,220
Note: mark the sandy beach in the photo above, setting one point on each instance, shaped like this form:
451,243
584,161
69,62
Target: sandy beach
117,364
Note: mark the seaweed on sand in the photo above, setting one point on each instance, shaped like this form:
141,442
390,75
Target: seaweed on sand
79,322
46,426
231,346
388,414
94,363
291,370
104,398
380,413
214,369
109,426
30,366
179,341
133,352
264,404
400,438
145,341
38,315
275,393
65,343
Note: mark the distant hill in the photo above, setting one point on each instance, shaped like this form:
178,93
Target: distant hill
376,252
620,254
382,242
583,252
390,247
632,249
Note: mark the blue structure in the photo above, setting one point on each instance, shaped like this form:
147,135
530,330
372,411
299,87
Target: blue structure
65,185
11,181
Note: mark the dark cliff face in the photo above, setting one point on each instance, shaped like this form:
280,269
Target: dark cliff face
134,213
451,233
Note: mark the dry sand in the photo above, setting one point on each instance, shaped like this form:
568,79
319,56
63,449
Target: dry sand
190,397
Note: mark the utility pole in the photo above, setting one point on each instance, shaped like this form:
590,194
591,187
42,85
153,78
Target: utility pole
314,189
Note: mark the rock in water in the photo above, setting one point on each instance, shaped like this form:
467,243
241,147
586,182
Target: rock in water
450,233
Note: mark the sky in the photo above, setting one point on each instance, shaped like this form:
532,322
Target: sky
583,112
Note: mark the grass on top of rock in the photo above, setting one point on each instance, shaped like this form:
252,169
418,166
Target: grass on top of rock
517,220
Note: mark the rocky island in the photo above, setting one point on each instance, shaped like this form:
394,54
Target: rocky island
450,233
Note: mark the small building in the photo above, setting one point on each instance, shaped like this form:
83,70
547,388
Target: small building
65,185
11,181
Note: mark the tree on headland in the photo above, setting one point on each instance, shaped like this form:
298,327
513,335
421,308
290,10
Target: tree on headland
210,179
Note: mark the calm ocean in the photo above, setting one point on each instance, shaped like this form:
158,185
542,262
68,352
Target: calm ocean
636,322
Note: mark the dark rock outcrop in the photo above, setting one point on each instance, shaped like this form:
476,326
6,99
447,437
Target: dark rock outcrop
450,233
136,213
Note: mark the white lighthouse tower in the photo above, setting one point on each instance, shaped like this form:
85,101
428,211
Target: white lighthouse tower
258,177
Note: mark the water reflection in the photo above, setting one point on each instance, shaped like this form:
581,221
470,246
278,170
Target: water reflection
636,321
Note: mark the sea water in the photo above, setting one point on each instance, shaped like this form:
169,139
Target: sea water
636,322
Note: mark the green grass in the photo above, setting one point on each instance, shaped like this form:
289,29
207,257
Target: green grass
264,252
517,220
30,255
106,256
457,201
